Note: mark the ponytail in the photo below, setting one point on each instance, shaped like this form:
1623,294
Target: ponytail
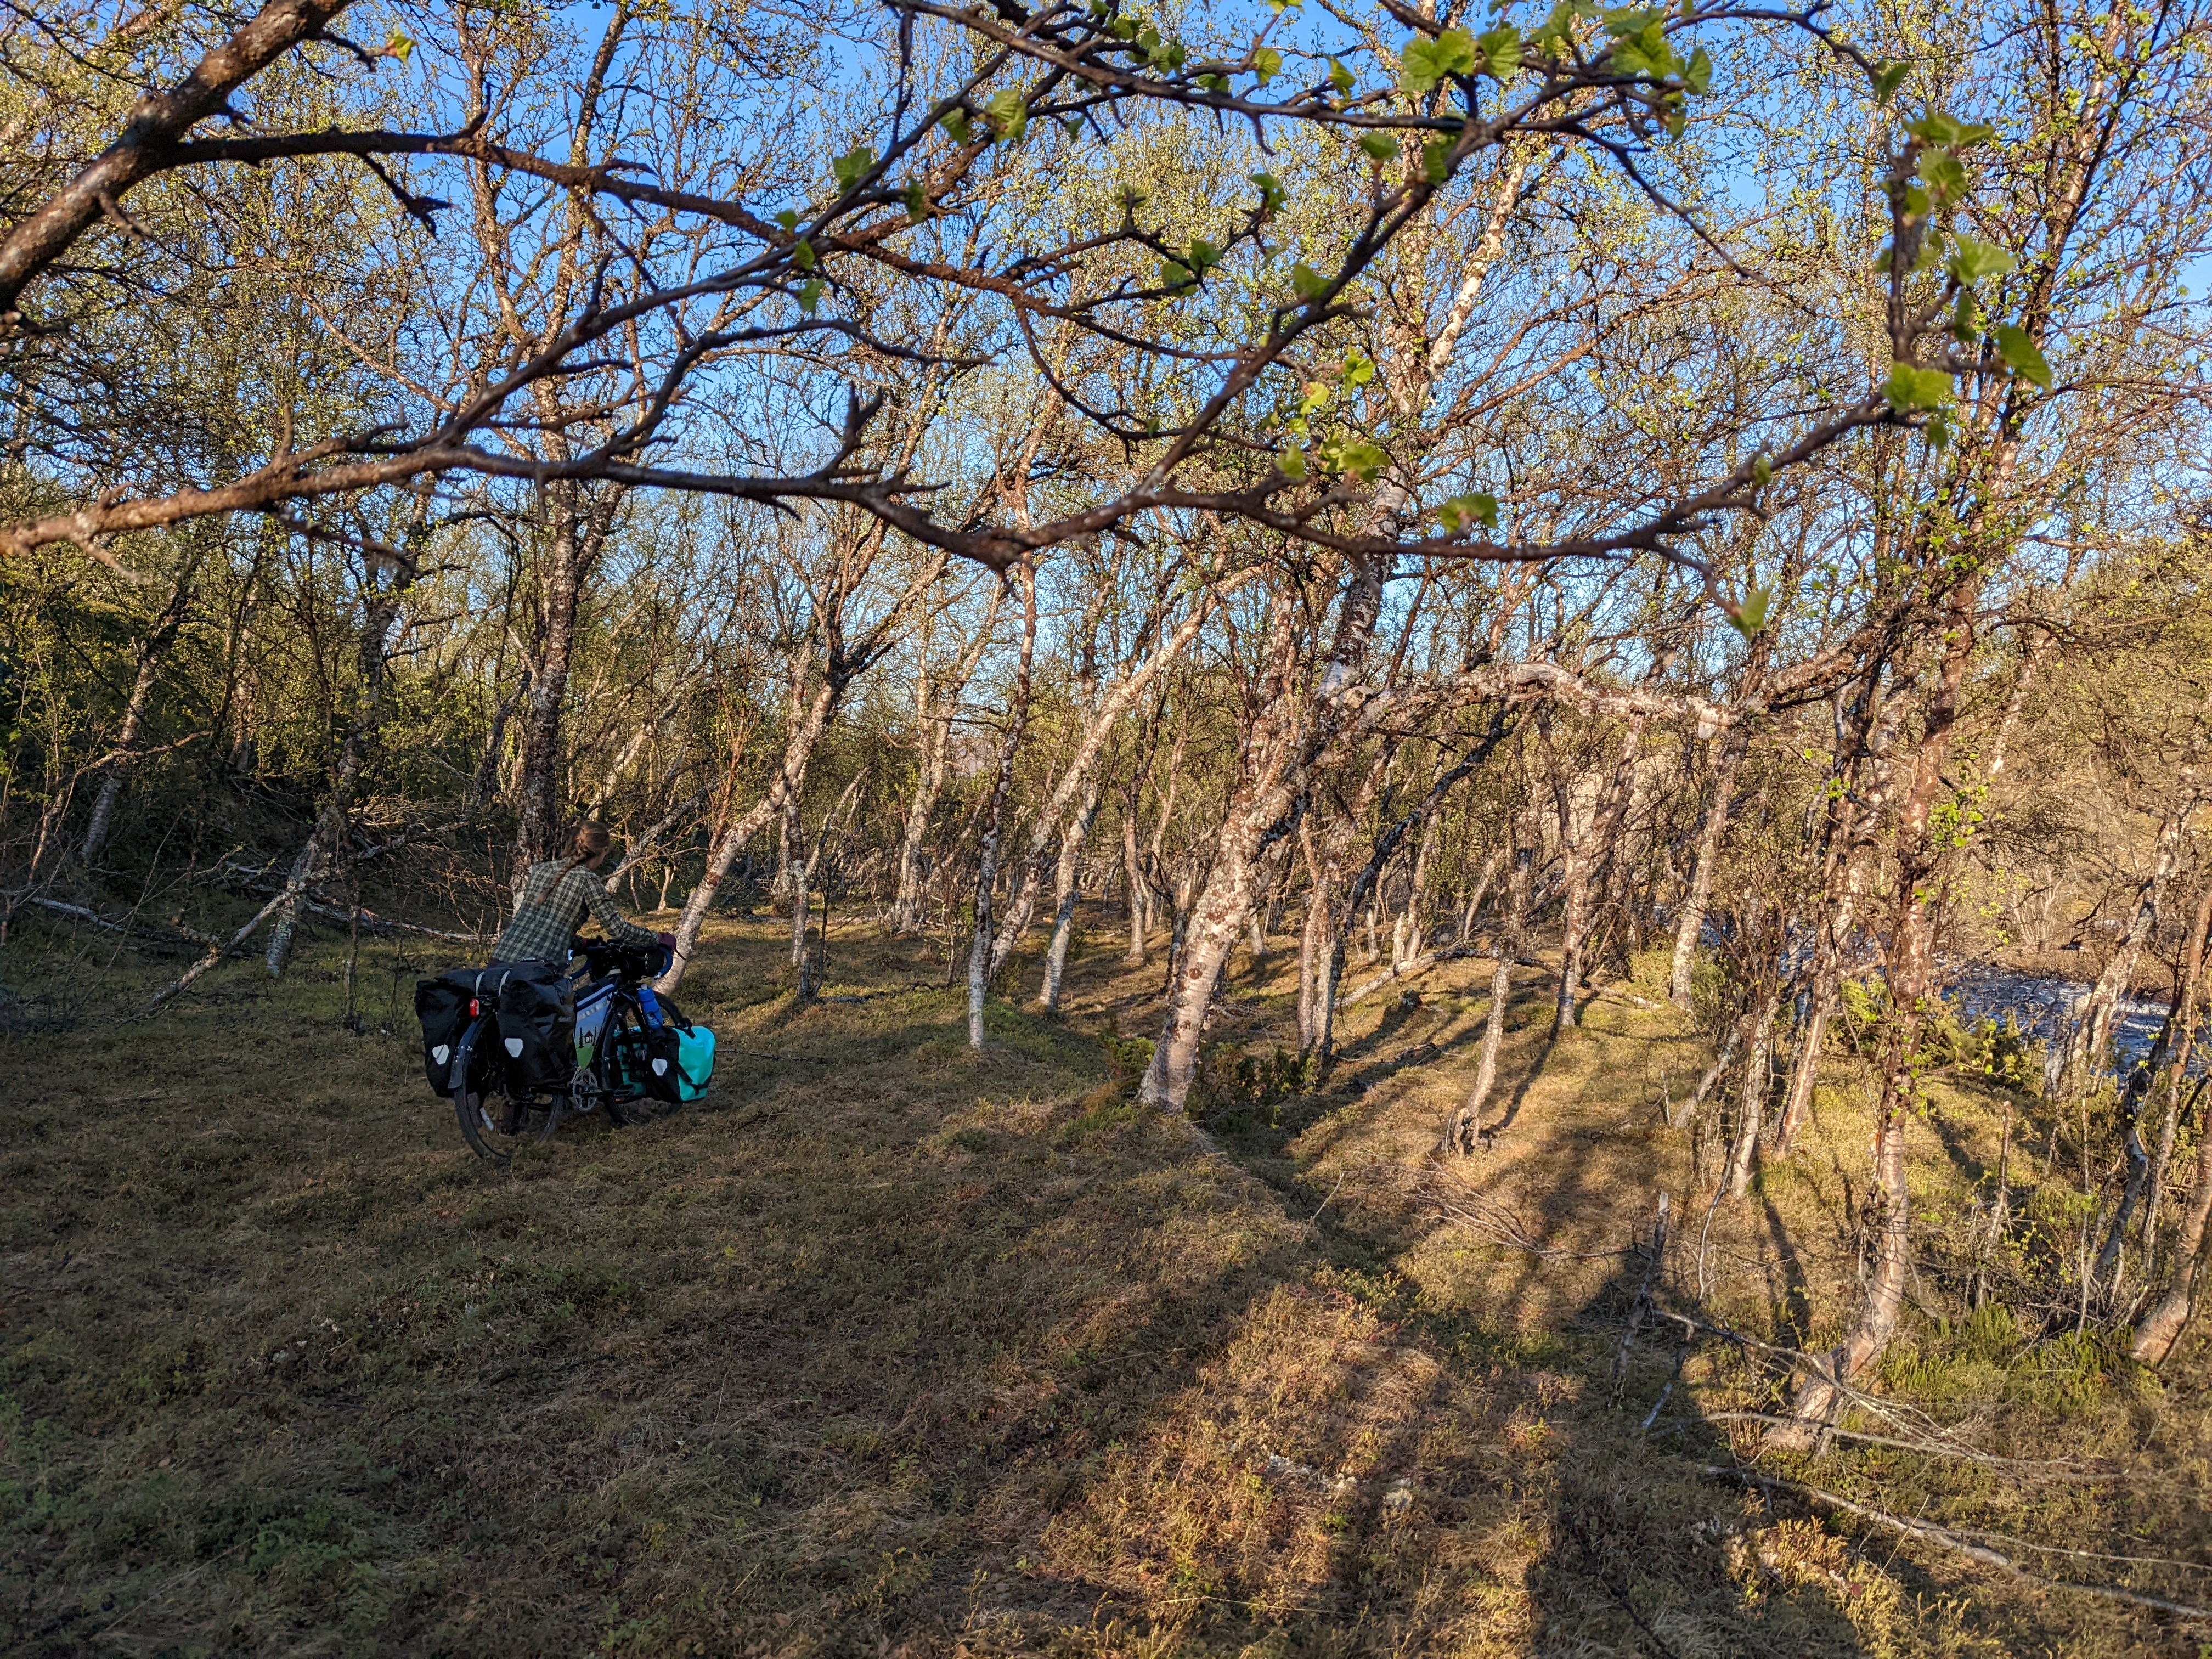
591,840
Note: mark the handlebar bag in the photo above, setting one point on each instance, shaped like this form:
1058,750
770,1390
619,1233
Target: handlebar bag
537,1025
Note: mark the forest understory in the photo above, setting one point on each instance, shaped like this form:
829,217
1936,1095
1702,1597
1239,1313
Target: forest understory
1442,774
889,1345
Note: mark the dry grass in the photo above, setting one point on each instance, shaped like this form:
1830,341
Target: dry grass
919,1350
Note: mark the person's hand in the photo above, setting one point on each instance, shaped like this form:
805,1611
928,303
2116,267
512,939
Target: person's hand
667,941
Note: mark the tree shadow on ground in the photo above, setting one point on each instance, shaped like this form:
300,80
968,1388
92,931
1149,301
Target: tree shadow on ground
1648,1554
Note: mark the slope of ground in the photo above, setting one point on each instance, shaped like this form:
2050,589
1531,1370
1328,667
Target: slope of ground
886,1345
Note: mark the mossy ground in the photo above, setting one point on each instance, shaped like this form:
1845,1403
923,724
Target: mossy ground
888,1346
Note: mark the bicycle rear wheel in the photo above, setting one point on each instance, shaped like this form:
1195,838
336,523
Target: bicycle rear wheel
495,1127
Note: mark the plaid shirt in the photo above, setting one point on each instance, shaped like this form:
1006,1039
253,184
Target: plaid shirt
550,911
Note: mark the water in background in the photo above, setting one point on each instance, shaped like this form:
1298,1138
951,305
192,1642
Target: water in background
2041,1004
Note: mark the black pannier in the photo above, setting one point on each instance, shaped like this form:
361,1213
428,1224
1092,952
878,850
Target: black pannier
443,1006
536,1025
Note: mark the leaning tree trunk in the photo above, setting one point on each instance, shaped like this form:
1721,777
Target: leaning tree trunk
1316,939
1712,826
1859,792
538,808
2177,1041
1064,890
1923,853
2163,1322
1616,811
1263,806
934,715
1079,778
794,877
1574,887
1134,874
1294,726
2090,1032
327,841
1751,1107
1463,1132
788,783
151,656
1359,898
987,863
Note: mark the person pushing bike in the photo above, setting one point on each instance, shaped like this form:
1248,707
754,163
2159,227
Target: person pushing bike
557,895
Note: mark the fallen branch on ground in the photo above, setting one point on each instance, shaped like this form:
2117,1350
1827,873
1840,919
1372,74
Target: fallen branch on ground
1961,1543
1495,1222
1930,1447
174,935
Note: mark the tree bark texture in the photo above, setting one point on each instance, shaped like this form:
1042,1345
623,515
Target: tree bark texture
987,863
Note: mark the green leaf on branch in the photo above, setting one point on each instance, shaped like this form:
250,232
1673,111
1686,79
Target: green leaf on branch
917,202
1966,316
1501,52
787,219
1647,54
810,296
1911,390
1418,70
1425,62
1945,175
1887,78
1360,459
2021,356
1267,63
1340,77
1379,146
802,255
1173,276
1762,470
1948,132
1750,617
1291,463
852,166
1009,115
1359,368
1436,160
955,121
398,47
1272,196
1462,511
1973,259
1698,76
1307,283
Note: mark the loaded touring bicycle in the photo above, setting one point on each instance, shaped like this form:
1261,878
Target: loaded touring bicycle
516,1048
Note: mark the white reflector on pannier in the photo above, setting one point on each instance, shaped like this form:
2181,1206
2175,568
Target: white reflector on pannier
515,1047
442,1053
